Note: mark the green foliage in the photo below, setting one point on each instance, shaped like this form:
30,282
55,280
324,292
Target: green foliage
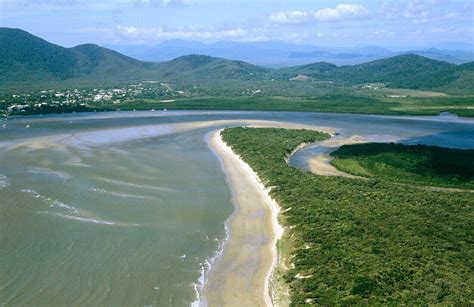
28,63
198,67
26,59
420,164
363,241
404,71
324,103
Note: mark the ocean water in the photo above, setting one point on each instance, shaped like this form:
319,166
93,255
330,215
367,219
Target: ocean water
126,208
128,223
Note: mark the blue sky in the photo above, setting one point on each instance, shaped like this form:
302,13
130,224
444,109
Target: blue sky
395,24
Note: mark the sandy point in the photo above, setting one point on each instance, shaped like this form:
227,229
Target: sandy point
242,275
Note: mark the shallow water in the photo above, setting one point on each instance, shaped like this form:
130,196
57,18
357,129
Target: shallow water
123,208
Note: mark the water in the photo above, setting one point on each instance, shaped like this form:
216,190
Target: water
129,207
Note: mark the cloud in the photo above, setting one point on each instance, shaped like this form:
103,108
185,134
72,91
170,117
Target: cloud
290,17
48,4
191,33
341,11
163,3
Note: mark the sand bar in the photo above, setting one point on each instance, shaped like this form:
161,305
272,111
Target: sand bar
241,275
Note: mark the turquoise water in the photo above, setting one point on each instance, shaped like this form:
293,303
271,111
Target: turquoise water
123,208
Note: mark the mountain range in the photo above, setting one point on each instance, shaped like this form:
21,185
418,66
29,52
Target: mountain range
280,54
27,60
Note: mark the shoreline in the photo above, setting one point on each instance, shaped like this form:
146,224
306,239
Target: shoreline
245,270
320,164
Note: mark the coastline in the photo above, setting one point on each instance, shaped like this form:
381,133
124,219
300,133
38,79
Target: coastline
320,164
245,271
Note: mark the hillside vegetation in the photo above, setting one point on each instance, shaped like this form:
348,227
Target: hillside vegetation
26,59
362,241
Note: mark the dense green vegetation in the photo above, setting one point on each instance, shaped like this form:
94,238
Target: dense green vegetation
420,164
363,241
31,66
326,103
26,60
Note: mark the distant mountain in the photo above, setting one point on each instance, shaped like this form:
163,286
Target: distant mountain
28,61
206,67
403,71
27,58
280,54
319,70
456,46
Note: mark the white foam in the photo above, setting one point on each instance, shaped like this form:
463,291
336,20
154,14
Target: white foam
207,266
91,220
3,181
50,172
52,202
72,212
134,185
124,195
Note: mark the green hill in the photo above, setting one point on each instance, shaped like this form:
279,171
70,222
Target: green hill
315,70
25,58
201,66
29,61
403,71
464,81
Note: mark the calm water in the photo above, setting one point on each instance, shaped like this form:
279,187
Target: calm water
125,208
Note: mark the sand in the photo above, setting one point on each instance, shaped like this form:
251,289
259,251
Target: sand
320,164
244,274
241,275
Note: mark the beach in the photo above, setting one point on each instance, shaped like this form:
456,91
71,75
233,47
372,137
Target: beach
242,273
320,163
142,202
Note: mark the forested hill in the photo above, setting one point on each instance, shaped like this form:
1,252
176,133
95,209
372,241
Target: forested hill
202,66
26,60
24,57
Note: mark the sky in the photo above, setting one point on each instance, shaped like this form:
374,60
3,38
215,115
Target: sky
395,24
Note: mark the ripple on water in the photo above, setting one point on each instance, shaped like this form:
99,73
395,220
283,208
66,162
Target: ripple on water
3,181
134,185
124,195
71,212
50,172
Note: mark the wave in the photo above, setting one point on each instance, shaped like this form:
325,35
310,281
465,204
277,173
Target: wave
76,161
134,185
50,172
51,202
124,195
3,181
71,212
95,220
206,267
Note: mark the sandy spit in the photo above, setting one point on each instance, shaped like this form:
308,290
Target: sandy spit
241,276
